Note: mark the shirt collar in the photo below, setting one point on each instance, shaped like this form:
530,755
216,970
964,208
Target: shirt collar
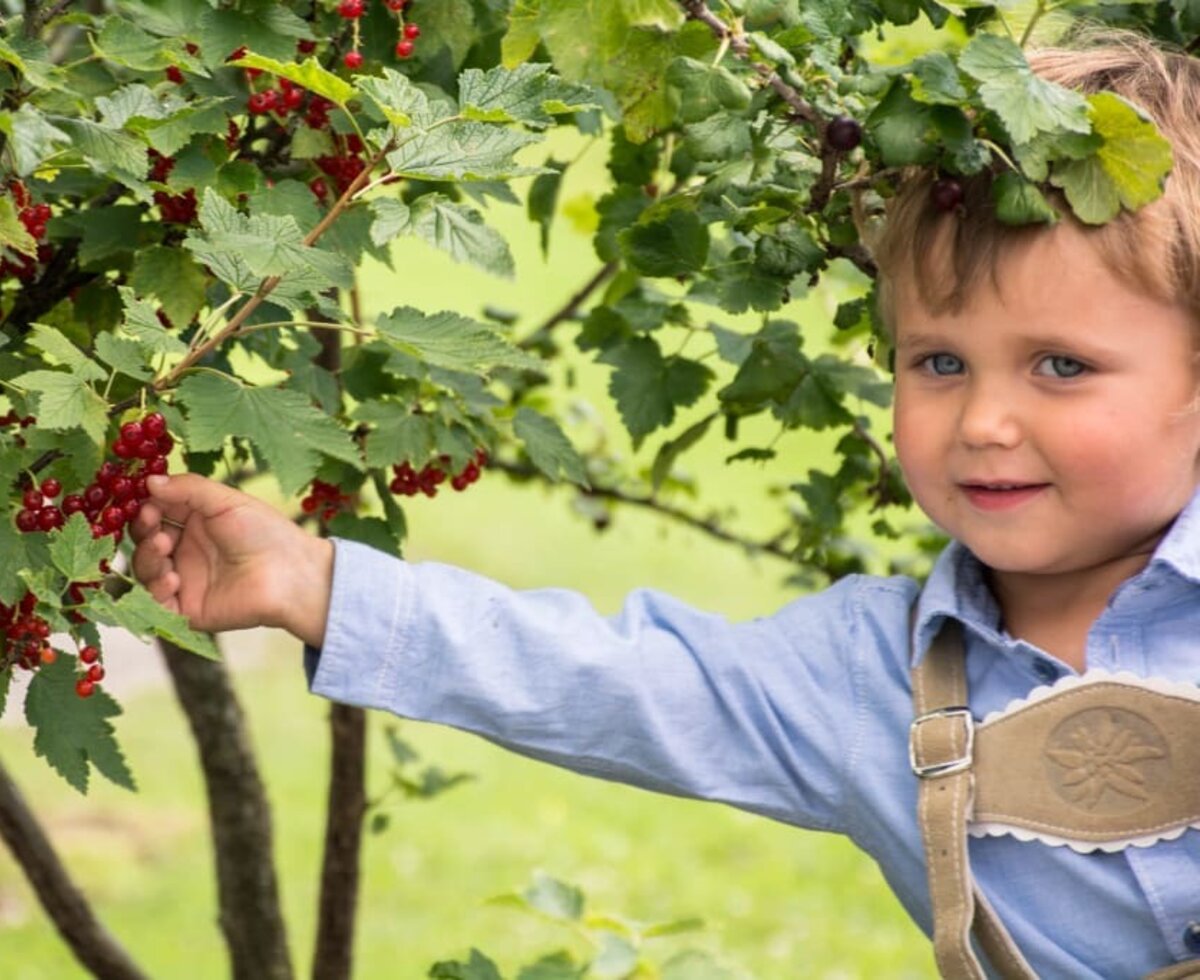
957,587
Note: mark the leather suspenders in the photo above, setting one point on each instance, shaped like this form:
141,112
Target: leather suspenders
1102,762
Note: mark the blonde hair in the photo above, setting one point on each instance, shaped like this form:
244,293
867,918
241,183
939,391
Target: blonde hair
1156,248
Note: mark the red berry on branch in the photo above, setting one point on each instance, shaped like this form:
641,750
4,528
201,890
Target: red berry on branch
131,508
147,449
293,98
352,60
351,9
131,432
305,46
95,495
95,673
72,504
412,31
156,466
309,504
48,655
946,193
85,688
404,49
174,75
260,102
113,518
50,518
124,450
27,520
89,654
319,187
154,425
32,499
51,487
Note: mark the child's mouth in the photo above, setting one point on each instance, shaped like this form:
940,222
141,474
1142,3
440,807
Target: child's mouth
1001,496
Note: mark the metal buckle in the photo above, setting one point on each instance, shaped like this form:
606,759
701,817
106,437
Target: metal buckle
934,769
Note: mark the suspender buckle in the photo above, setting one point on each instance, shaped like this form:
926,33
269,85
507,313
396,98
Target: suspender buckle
939,741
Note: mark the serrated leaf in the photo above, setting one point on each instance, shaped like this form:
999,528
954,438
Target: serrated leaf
309,75
648,387
138,612
478,967
462,151
73,733
33,139
392,218
76,553
398,434
671,244
400,101
266,29
173,277
1026,103
121,42
290,433
527,94
460,231
129,101
553,898
65,401
142,323
106,149
935,80
1019,202
104,231
451,341
672,449
62,351
903,128
548,448
703,89
124,355
13,557
172,132
13,234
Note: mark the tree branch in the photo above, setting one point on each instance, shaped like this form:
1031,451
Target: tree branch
239,815
62,900
539,336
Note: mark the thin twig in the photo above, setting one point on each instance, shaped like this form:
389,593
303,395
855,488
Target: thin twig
569,308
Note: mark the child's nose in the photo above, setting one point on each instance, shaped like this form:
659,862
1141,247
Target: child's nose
989,416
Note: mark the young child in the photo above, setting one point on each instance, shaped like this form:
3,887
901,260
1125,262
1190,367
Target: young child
1045,418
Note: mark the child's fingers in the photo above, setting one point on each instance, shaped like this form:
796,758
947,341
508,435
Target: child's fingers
152,560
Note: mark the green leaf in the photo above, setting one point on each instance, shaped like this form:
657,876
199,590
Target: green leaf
616,959
392,218
105,232
693,964
174,278
74,733
62,351
13,234
705,89
75,552
554,966
290,433
548,448
400,101
528,94
124,355
903,128
129,101
124,43
1019,202
451,341
672,449
1026,103
14,555
138,612
478,967
648,387
769,373
935,80
553,898
462,151
32,138
460,231
309,75
1128,170
673,244
65,401
172,132
397,434
543,199
267,29
106,150
142,323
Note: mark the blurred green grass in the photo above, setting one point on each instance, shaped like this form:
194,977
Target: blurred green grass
780,903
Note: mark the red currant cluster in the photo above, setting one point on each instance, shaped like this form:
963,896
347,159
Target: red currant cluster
25,635
327,498
289,97
89,657
34,218
175,208
341,167
173,72
353,10
115,495
409,482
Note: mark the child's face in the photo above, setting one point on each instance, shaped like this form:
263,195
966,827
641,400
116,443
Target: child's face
1050,425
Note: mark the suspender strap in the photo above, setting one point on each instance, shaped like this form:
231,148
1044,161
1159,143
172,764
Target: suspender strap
941,743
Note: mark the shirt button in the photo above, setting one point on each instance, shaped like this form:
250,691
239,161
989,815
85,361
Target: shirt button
1191,937
1045,670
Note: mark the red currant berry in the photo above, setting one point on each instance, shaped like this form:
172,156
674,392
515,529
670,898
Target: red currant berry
946,193
305,46
460,482
113,518
147,449
164,445
131,508
32,499
174,75
48,655
154,425
404,49
124,450
27,520
72,504
156,466
89,654
49,518
95,495
351,9
51,488
318,186
85,688
412,31
843,133
121,489
293,98
260,102
352,60
309,504
95,673
140,490
131,432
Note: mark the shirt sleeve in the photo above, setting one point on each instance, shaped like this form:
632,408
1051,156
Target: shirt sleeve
661,696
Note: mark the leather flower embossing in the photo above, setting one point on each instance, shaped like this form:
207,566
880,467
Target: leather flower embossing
1104,752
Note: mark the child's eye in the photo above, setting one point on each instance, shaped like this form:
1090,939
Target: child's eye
942,364
1060,366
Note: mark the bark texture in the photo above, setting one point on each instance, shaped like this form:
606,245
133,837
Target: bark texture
64,903
239,815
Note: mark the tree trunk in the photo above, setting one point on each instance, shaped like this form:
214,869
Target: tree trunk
338,907
337,911
63,901
240,817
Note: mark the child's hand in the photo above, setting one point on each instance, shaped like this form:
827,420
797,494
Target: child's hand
228,561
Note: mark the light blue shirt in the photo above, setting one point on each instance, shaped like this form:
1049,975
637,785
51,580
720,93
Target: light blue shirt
802,716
